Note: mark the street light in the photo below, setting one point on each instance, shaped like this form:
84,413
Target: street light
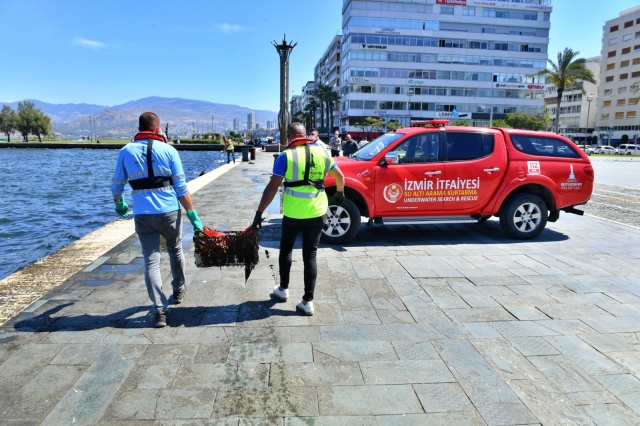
589,99
211,123
409,94
490,114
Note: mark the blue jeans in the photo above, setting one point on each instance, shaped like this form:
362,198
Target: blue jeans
310,230
230,155
149,228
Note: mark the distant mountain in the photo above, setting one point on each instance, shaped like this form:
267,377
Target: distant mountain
185,116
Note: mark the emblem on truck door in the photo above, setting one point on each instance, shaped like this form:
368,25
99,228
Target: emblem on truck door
392,192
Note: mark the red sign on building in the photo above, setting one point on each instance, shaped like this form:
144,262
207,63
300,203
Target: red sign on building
453,2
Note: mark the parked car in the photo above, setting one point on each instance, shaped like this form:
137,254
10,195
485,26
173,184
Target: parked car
434,175
587,149
629,149
606,149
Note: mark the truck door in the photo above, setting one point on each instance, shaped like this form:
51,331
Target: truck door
475,165
408,187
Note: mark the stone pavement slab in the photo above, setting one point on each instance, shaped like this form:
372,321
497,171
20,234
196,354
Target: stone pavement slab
437,325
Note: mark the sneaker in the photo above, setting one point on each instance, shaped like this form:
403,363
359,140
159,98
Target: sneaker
305,309
178,296
281,295
161,319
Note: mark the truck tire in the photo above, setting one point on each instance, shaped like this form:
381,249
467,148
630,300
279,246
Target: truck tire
343,223
524,216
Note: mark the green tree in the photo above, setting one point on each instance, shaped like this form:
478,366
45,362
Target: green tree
519,120
501,123
41,125
461,122
393,125
300,117
568,73
326,97
369,124
26,118
332,100
8,121
311,109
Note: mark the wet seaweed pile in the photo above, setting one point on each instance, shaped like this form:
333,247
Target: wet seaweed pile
231,248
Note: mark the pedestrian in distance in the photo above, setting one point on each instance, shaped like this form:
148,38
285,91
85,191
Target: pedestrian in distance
335,143
154,171
303,166
350,146
315,135
228,147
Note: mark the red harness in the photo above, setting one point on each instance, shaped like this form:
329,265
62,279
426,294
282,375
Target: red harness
148,135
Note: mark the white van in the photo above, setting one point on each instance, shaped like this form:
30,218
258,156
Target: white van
629,149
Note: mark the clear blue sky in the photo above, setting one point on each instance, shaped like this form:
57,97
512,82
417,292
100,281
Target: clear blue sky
108,52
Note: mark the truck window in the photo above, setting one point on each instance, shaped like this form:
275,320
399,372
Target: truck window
544,146
423,148
468,145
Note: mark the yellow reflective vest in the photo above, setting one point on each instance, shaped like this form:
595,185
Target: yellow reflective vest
306,199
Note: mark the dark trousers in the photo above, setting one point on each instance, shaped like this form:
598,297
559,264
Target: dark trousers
335,153
310,230
230,156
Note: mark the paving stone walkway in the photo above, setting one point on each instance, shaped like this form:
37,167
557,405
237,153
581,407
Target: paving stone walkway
414,325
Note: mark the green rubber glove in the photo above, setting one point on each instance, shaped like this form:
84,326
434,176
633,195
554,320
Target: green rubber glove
122,208
195,220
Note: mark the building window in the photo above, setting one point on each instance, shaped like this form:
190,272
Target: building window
619,115
614,28
606,104
605,116
621,102
635,74
627,37
633,101
468,11
446,10
607,92
609,78
624,76
628,24
636,61
622,89
613,41
636,47
611,66
626,50
623,64
611,54
631,114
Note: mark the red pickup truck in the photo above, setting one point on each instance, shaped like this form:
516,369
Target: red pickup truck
438,174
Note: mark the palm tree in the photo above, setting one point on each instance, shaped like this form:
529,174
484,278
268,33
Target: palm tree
322,93
311,108
568,73
332,100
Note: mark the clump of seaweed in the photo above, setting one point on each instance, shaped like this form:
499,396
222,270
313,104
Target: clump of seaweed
231,248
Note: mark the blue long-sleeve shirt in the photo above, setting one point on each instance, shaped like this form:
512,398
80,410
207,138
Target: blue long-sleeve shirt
132,165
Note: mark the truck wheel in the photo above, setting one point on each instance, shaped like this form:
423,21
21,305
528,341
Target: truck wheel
343,223
524,216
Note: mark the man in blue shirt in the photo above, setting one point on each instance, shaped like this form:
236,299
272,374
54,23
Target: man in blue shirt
154,172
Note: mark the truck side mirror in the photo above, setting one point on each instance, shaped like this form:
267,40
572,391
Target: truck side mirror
391,158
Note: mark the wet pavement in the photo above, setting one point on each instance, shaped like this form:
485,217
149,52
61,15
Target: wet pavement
446,324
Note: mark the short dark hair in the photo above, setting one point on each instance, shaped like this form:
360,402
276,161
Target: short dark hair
296,129
314,130
148,121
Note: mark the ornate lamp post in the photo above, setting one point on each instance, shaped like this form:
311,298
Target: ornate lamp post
284,116
410,93
589,99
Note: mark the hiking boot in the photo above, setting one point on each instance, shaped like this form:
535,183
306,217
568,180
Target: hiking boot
306,309
178,296
281,295
161,319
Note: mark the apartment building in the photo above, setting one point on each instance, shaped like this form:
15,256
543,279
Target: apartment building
442,59
577,109
327,72
618,118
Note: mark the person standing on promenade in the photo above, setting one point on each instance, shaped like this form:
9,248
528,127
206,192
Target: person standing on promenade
154,172
315,135
228,147
335,143
350,146
303,165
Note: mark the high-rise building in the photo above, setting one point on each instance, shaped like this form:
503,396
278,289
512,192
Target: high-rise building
327,72
445,59
236,124
272,124
251,120
577,109
619,79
